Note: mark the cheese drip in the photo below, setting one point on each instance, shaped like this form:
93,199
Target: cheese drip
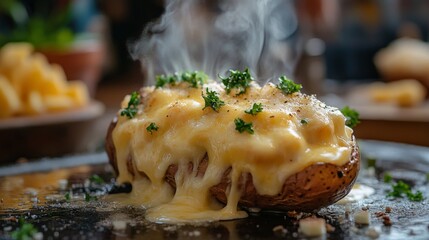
291,133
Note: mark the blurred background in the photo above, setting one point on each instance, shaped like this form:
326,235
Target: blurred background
369,54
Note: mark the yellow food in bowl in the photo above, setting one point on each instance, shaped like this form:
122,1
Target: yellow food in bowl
404,93
30,85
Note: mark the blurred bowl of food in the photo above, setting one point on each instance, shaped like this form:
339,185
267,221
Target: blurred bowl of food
50,134
405,58
83,60
41,112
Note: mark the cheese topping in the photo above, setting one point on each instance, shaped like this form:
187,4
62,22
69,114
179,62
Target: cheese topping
292,132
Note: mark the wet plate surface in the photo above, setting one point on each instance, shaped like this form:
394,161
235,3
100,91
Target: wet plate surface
71,204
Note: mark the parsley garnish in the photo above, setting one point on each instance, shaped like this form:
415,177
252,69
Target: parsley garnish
352,117
161,80
25,231
131,110
288,86
241,126
195,78
96,179
387,178
67,196
152,127
237,79
211,99
371,162
89,198
304,121
400,189
256,108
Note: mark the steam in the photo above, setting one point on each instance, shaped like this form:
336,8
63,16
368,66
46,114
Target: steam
215,36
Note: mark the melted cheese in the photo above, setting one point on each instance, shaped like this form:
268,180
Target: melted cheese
281,146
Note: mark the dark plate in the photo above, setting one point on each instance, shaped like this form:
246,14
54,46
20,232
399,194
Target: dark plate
52,215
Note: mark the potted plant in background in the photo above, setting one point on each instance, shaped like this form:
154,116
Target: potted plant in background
49,25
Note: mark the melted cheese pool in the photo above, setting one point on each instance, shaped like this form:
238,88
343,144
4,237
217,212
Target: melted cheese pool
292,132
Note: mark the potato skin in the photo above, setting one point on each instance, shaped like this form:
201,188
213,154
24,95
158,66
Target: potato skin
110,146
316,186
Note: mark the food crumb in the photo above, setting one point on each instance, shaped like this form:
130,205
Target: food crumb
388,210
362,217
280,230
312,227
119,224
385,217
387,221
372,233
329,228
62,184
294,214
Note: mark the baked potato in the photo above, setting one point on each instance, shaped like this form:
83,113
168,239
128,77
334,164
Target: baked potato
311,164
316,186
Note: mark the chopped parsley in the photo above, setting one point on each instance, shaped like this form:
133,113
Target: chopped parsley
131,110
371,162
25,230
211,99
89,198
241,126
238,80
387,178
161,80
288,86
194,78
67,196
352,117
401,189
256,108
304,121
96,179
152,127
